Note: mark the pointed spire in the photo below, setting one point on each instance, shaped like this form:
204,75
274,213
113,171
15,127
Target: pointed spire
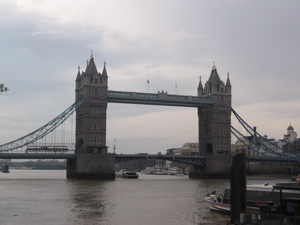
228,84
92,56
104,73
87,64
78,73
91,68
200,86
214,67
214,78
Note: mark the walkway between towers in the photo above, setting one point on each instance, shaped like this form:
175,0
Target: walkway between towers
161,98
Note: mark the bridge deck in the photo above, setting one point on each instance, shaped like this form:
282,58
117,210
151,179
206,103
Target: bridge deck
36,156
157,99
191,160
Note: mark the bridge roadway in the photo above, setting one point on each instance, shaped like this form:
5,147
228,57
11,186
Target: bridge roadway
37,156
161,98
192,160
273,159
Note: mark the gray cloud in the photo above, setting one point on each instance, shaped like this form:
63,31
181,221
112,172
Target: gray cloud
166,42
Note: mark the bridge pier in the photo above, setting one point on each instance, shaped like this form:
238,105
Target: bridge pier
91,166
216,167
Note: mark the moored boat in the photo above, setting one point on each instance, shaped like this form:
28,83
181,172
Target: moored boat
162,170
220,209
5,169
130,174
257,196
294,178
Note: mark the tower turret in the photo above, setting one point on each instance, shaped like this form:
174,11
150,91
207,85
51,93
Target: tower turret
200,88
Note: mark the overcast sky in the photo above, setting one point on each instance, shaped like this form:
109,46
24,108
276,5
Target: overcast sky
42,44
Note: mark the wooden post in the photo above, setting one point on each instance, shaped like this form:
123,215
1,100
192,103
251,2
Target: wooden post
238,186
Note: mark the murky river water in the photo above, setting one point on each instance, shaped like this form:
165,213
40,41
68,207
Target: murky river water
47,197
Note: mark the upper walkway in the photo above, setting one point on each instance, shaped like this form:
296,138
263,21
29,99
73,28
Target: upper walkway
161,98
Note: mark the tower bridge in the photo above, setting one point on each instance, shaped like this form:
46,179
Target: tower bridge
213,102
92,160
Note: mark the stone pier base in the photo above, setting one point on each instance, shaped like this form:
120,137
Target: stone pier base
216,167
92,166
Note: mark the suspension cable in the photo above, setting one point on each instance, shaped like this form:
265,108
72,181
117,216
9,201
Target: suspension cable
42,131
259,140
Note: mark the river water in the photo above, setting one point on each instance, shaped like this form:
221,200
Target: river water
47,197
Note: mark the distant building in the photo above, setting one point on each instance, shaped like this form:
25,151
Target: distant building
265,146
190,148
173,151
288,138
240,147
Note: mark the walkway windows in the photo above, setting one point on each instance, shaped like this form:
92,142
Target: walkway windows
95,90
95,125
221,145
222,100
95,140
95,110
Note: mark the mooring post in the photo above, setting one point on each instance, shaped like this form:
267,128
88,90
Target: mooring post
238,186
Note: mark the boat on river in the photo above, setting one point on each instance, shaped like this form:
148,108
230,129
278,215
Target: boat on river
5,169
130,174
162,170
257,196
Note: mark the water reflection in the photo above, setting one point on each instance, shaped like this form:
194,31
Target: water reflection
89,200
147,200
47,197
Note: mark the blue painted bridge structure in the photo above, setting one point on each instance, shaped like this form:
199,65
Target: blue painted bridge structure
190,160
160,98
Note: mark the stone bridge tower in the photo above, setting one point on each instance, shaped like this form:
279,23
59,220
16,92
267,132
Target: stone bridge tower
92,160
91,116
215,125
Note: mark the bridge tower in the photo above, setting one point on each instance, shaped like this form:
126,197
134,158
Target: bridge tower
92,161
215,125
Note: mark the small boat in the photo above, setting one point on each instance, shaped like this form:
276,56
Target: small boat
257,196
5,169
130,174
147,170
220,209
294,178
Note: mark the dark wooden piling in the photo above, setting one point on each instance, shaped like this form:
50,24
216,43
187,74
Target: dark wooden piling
238,186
